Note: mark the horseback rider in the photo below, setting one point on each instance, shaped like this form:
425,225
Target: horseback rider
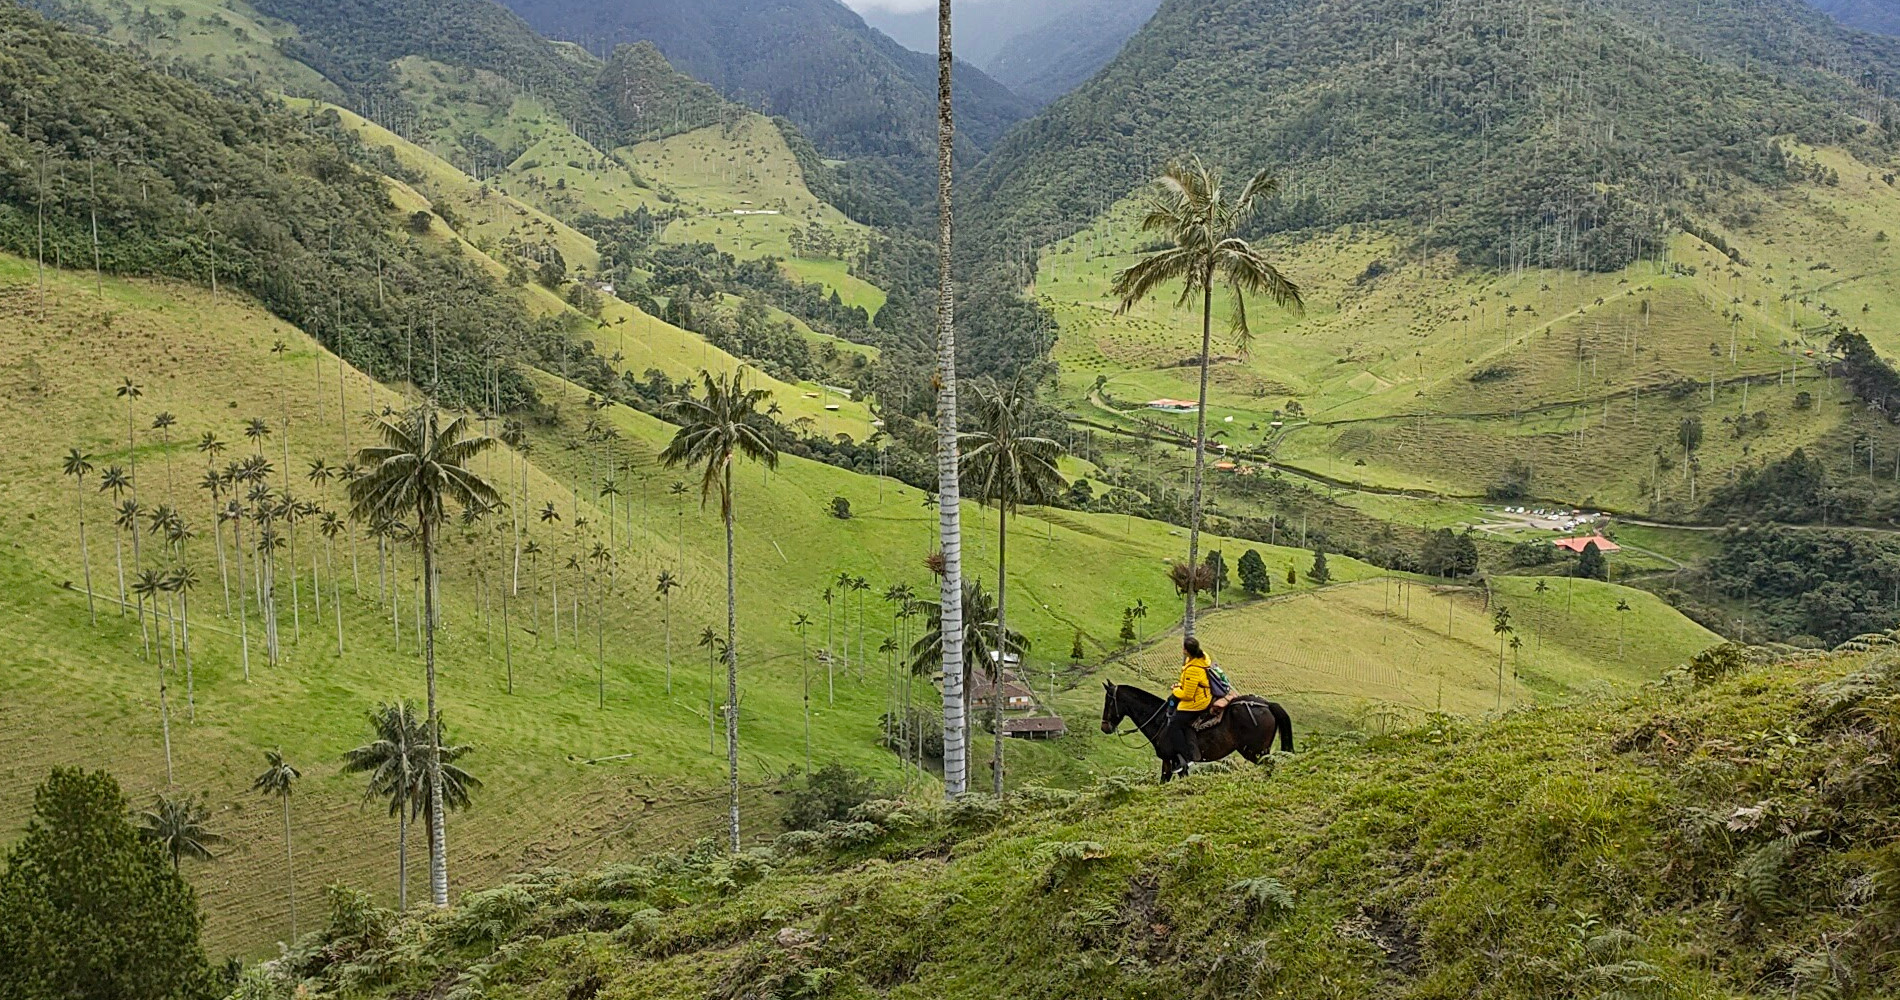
1191,696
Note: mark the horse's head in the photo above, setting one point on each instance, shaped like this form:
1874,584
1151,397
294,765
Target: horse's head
1111,708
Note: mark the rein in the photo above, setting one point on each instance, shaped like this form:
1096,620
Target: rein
1143,726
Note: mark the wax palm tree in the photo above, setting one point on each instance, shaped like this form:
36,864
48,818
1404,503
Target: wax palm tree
828,597
1622,608
78,465
214,485
799,625
422,466
949,506
148,586
116,482
179,826
552,517
714,431
183,581
348,473
514,434
130,391
331,526
1502,628
858,586
257,431
843,585
163,424
1007,465
979,631
664,587
395,760
280,779
602,559
1191,212
532,549
713,645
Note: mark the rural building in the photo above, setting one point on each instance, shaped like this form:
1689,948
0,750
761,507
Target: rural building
1041,727
1173,405
1016,696
1579,543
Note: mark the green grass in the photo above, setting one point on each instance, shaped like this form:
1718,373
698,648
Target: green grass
82,694
1382,362
1386,652
226,37
1553,853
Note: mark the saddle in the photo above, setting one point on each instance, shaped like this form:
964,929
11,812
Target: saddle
1214,712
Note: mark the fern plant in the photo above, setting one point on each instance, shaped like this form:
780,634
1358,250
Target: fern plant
1263,896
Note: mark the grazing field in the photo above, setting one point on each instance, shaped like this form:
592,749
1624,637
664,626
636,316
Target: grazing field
1381,654
1418,374
83,694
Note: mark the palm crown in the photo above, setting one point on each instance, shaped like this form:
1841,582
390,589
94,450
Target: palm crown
712,430
1188,208
421,466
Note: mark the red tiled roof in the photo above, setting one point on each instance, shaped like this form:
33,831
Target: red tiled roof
1579,543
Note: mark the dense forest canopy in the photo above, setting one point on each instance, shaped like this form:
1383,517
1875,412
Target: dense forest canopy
231,189
1528,132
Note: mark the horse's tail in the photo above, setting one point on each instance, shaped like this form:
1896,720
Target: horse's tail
1283,724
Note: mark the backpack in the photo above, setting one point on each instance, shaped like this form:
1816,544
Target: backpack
1217,682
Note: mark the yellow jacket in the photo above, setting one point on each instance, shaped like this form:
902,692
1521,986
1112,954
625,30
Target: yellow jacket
1192,691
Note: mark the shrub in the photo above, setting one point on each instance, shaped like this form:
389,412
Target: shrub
421,222
829,794
839,508
1717,662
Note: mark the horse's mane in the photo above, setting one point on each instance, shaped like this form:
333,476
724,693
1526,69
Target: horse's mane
1148,699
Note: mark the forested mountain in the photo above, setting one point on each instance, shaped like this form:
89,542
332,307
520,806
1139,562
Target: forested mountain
1041,51
853,90
1057,54
229,190
1536,132
1869,15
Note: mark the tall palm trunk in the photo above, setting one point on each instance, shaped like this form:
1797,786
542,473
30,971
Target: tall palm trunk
217,540
666,617
244,616
191,696
402,857
438,841
85,554
290,869
1002,649
164,705
732,671
1200,447
118,560
949,507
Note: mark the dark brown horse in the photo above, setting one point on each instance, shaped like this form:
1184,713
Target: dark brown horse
1247,727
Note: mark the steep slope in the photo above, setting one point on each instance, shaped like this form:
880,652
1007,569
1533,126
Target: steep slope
1692,842
1547,135
1868,15
82,693
1518,275
854,91
140,172
1066,46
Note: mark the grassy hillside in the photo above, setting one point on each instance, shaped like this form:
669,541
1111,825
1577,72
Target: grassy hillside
1691,842
209,362
1419,374
1383,653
